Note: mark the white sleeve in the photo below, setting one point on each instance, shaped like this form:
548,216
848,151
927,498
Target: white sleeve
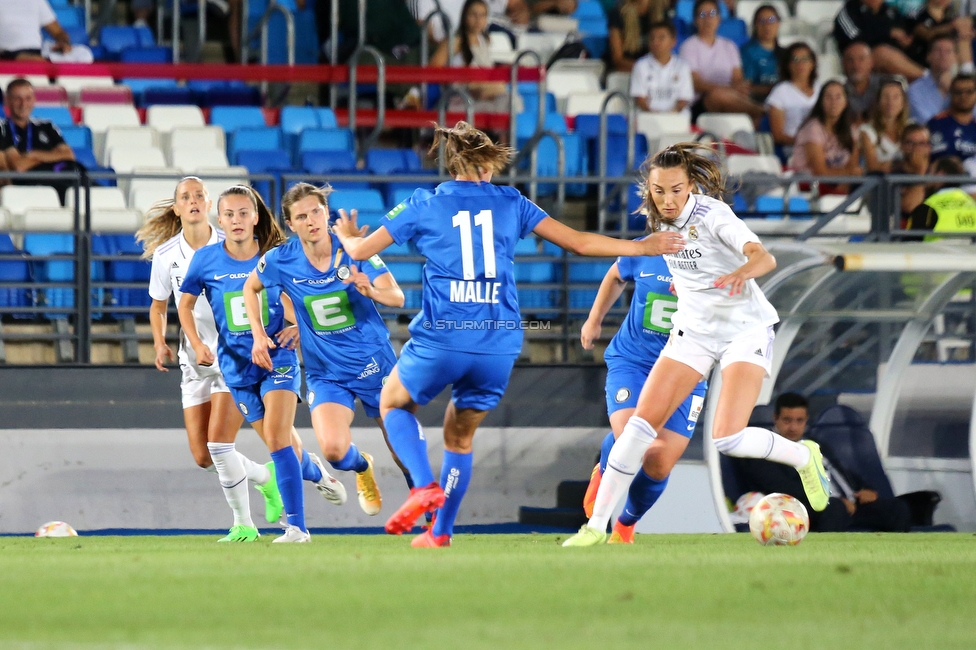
686,86
160,287
638,79
731,230
45,13
776,96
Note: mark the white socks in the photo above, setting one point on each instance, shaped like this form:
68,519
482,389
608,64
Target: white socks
256,473
233,478
753,442
623,463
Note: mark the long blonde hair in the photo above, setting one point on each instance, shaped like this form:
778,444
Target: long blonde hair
630,16
470,151
267,231
162,222
703,172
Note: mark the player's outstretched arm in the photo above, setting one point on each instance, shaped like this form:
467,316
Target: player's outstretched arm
157,323
593,245
761,262
354,240
252,304
384,289
205,356
610,289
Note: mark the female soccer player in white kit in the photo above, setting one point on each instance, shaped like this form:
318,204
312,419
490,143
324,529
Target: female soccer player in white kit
174,230
722,316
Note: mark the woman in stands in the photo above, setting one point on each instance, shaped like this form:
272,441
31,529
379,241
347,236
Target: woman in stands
174,230
470,48
629,27
630,356
825,144
267,399
716,68
345,343
469,332
792,99
762,55
722,317
880,136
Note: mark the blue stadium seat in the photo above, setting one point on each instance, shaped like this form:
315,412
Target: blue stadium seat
260,161
530,98
134,270
323,162
388,161
77,34
231,118
528,273
253,138
77,137
140,86
397,193
405,272
586,272
41,244
146,55
525,124
116,38
232,96
59,115
146,38
735,30
362,200
772,207
160,94
295,119
13,271
70,16
323,140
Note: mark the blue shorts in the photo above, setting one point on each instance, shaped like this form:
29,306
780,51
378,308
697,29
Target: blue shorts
624,383
250,399
367,386
478,381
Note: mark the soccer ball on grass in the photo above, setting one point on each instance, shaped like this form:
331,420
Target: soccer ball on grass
779,520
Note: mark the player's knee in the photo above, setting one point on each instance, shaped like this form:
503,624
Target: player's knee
725,429
202,459
334,452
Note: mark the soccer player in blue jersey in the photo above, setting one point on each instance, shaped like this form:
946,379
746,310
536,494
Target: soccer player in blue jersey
174,230
630,356
345,343
267,399
468,333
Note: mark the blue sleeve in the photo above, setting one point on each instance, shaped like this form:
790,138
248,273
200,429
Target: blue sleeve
193,280
401,221
374,267
268,272
529,217
749,68
625,265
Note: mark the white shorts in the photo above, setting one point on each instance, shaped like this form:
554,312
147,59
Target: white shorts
695,351
197,390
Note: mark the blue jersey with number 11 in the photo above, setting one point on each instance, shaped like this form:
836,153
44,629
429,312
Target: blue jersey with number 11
467,231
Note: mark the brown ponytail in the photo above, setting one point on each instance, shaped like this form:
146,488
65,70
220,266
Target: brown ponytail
703,172
267,231
162,222
469,151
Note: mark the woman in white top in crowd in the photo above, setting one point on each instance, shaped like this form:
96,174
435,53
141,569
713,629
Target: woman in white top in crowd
791,100
722,317
880,136
174,230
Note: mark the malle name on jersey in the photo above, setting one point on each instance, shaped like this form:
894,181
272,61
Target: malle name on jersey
474,291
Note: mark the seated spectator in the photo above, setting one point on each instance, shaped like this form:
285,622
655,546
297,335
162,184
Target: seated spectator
762,55
441,25
937,18
389,28
31,144
948,208
954,131
853,505
21,22
716,68
629,26
825,144
862,84
880,136
880,27
929,95
791,99
915,159
660,81
470,48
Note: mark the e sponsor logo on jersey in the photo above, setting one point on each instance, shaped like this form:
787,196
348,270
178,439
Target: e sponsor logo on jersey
658,310
376,262
622,395
395,211
236,312
330,311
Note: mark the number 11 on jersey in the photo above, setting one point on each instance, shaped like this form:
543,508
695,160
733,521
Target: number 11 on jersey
466,290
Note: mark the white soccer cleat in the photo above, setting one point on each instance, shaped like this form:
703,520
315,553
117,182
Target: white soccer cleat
293,535
330,487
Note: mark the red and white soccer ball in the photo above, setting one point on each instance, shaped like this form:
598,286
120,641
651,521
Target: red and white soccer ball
779,520
56,529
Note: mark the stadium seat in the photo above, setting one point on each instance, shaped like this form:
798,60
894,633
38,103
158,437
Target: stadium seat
191,160
13,271
528,272
100,198
127,136
362,200
231,118
143,193
739,164
389,161
322,140
115,220
231,95
259,162
323,162
166,96
140,86
735,30
197,137
593,103
115,38
253,139
74,84
43,244
124,159
619,82
564,83
50,95
131,270
77,137
157,54
725,125
70,16
60,116
100,118
166,118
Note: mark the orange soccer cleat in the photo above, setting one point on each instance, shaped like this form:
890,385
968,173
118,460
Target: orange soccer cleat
427,539
421,500
590,497
621,534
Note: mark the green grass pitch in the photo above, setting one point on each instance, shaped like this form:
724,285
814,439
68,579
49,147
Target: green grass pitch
489,591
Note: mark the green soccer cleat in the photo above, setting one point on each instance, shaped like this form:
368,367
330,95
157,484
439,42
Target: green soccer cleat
586,537
241,534
273,507
814,477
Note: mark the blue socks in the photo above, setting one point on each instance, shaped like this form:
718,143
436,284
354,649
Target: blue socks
409,444
644,491
455,477
289,474
605,451
353,461
310,472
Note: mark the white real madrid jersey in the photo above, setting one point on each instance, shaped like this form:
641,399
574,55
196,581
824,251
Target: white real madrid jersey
714,239
169,264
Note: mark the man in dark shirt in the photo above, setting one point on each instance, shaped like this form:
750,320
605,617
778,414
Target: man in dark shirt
30,144
853,504
880,26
